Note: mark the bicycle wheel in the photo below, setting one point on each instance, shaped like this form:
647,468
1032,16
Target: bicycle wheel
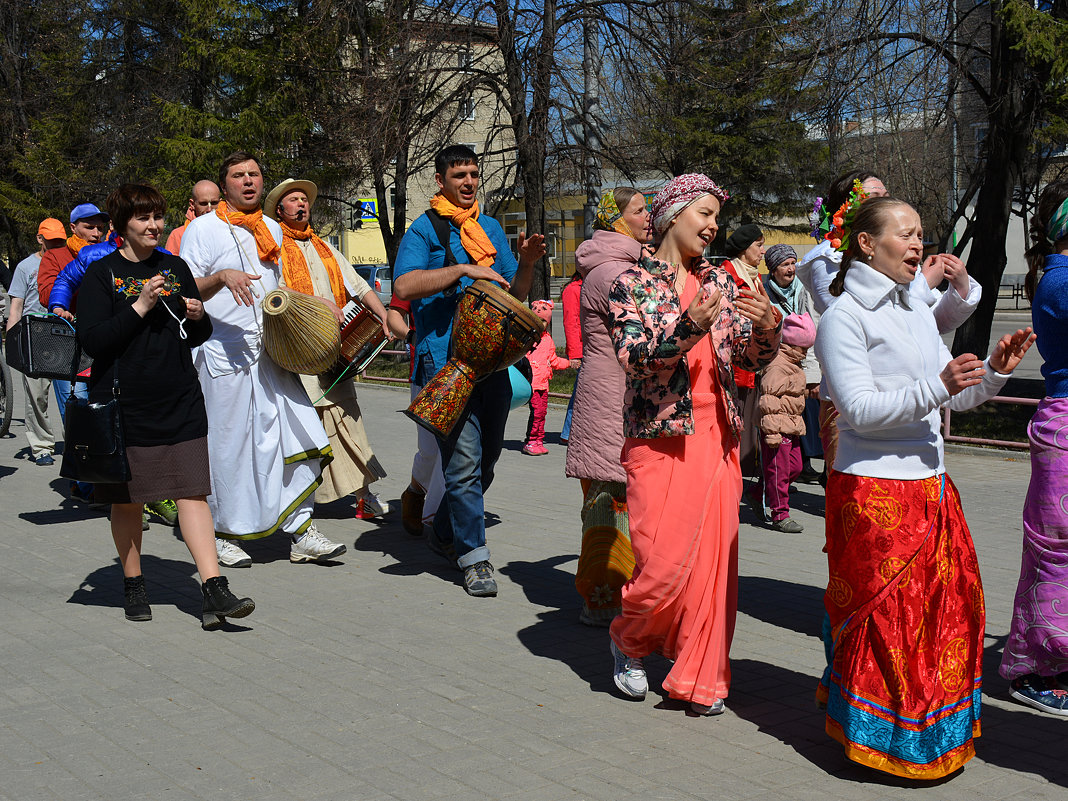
7,395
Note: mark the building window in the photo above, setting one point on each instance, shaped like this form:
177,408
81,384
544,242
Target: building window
464,59
980,131
467,108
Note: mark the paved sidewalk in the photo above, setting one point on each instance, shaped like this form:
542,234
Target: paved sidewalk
378,678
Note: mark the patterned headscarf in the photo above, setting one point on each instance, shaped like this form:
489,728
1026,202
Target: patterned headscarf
610,217
1057,229
679,193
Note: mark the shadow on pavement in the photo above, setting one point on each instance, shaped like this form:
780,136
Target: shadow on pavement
798,607
558,635
781,703
167,581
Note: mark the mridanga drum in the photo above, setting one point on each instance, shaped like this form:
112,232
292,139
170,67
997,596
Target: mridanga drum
300,332
491,331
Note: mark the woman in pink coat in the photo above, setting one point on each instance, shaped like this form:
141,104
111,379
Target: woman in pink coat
606,561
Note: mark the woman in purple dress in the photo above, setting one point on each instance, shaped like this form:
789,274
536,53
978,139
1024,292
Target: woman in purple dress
1036,653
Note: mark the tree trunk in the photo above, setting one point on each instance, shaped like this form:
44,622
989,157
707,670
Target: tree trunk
1011,122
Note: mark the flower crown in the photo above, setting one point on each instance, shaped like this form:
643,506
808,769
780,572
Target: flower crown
838,236
820,220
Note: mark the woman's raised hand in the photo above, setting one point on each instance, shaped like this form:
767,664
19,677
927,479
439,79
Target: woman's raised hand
754,304
963,372
1010,350
150,290
704,308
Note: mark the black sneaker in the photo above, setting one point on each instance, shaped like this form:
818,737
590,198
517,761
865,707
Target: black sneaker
1035,691
478,580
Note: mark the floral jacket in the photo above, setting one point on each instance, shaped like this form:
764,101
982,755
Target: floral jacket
652,334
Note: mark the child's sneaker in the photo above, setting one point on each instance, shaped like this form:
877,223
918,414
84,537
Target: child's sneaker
535,449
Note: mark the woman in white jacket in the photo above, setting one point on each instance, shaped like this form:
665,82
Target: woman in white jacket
904,595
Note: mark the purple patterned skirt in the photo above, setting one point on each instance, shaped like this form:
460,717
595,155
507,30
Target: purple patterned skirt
1038,638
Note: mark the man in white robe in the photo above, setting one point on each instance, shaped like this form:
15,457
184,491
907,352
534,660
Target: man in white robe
266,446
313,266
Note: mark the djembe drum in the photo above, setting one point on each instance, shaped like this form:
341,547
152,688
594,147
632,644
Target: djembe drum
300,332
491,331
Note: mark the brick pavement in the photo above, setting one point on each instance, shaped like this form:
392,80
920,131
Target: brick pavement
378,678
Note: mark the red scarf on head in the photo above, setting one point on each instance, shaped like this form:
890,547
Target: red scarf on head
266,248
295,270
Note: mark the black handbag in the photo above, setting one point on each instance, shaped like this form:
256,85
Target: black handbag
94,448
45,346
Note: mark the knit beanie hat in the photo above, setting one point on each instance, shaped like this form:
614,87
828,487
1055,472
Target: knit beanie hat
777,254
743,238
799,330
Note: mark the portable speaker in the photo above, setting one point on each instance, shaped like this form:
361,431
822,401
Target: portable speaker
47,347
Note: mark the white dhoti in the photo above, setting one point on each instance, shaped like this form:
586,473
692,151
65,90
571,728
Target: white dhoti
266,446
267,450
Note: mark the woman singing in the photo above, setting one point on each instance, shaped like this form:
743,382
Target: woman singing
679,326
904,596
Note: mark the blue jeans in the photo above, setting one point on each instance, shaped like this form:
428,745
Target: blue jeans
467,460
62,388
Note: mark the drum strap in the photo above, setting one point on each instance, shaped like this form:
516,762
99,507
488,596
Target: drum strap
443,228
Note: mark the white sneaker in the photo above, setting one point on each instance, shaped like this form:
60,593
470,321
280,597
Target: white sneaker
231,555
629,673
314,547
370,505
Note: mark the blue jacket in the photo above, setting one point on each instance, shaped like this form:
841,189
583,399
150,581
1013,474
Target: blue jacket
70,278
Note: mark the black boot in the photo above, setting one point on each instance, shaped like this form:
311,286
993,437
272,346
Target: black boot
137,607
219,602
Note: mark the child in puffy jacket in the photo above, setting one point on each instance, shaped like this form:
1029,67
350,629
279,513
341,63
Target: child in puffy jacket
543,361
781,405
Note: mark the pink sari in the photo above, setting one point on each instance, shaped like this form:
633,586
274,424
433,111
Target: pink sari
682,495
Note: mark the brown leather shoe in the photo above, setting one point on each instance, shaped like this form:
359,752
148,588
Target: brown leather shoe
412,511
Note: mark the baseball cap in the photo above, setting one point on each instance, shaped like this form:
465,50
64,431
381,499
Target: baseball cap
86,210
51,228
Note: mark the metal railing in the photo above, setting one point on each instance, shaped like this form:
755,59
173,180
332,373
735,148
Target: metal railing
997,443
947,414
388,379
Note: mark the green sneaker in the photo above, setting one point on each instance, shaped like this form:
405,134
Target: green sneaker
165,512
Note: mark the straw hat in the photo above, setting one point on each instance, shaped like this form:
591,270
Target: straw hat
270,205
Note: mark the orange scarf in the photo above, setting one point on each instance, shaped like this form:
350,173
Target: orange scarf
75,243
266,248
472,237
295,267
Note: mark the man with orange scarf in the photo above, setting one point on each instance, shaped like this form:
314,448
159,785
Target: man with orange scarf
313,266
88,225
266,446
441,254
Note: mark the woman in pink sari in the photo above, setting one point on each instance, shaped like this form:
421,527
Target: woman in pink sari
679,326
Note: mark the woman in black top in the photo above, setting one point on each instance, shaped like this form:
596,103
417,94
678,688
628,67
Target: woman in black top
139,316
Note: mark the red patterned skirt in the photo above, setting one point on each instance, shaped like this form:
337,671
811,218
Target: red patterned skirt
907,617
